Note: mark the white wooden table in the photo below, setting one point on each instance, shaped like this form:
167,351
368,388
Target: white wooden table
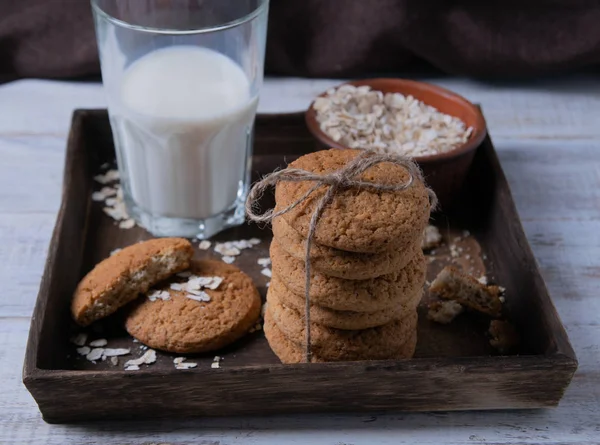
548,137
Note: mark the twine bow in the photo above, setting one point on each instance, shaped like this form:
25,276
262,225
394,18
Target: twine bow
344,178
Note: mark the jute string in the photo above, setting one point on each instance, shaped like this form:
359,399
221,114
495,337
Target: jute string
343,178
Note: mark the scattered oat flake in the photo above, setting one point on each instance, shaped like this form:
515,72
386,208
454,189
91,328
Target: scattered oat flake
254,241
132,368
135,340
95,354
79,339
158,295
196,282
228,259
114,360
483,280
176,286
264,262
214,365
266,272
98,196
502,289
203,296
127,224
148,358
114,352
178,360
204,245
99,343
186,365
84,350
112,252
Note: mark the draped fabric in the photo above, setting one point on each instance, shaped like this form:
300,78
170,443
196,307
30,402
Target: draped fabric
343,38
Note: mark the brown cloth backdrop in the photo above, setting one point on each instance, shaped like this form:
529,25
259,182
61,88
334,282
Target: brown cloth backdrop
337,38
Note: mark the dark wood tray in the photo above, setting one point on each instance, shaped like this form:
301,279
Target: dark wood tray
454,367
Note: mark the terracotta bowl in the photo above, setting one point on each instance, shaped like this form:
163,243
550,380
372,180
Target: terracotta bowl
444,172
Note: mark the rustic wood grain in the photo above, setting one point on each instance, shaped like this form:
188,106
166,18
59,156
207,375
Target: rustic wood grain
83,236
547,140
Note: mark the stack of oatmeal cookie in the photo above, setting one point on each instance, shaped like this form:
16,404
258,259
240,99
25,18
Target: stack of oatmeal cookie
367,266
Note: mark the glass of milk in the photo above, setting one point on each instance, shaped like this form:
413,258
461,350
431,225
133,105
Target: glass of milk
182,79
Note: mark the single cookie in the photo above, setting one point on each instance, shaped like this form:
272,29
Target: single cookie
454,284
378,343
283,348
120,278
290,352
335,293
357,219
343,319
185,325
347,265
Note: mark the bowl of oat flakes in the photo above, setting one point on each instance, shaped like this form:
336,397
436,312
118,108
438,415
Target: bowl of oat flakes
439,129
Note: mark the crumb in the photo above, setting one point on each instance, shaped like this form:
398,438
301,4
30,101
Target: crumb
444,311
99,342
431,238
204,245
79,339
503,336
263,309
453,284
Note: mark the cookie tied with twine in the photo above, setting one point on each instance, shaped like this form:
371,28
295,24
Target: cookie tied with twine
330,183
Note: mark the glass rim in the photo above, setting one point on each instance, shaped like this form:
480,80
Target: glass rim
227,25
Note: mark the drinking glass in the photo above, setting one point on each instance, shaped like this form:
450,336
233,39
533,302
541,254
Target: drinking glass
182,79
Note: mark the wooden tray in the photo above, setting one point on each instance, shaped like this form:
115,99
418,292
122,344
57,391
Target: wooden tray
454,367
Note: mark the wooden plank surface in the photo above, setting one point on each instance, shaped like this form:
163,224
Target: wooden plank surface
547,135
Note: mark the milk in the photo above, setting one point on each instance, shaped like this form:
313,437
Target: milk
182,128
